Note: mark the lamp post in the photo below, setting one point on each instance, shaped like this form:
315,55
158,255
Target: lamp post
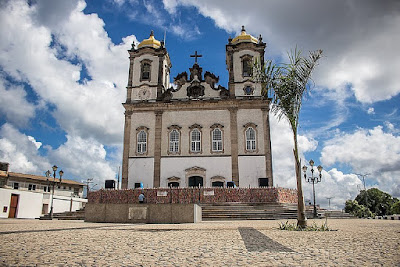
314,180
53,183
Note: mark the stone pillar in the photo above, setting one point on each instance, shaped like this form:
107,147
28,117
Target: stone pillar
234,145
129,87
160,76
125,155
157,148
267,146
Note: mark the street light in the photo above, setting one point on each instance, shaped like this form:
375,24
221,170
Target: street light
313,179
53,183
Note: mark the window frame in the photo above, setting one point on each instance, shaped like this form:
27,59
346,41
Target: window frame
143,64
197,143
214,128
142,144
248,59
253,148
177,144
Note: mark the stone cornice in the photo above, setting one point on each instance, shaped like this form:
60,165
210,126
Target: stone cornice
223,104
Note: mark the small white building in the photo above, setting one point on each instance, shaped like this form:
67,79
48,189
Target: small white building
29,196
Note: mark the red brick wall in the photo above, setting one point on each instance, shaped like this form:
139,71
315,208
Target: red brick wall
192,195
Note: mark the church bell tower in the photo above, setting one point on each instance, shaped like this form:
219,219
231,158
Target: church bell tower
241,53
149,70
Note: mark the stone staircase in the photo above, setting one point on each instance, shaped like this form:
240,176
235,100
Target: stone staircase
248,211
67,215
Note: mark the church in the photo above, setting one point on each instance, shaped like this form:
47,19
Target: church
196,133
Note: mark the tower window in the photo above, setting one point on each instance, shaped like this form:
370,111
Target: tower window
142,142
250,139
248,90
145,70
247,66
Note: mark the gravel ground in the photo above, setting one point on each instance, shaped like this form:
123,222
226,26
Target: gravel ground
354,242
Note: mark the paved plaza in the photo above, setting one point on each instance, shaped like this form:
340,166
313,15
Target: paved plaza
356,242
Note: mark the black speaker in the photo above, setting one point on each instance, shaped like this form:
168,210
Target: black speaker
110,184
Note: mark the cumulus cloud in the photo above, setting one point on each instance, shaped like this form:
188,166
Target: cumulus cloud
21,151
84,158
14,105
50,56
89,109
282,152
354,36
367,151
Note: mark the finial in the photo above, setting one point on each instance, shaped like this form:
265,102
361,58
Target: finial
230,39
260,39
152,33
133,45
243,30
162,44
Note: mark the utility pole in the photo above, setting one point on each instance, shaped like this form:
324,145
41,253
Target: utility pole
329,201
119,168
88,182
365,189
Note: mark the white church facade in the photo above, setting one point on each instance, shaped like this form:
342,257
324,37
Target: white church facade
196,133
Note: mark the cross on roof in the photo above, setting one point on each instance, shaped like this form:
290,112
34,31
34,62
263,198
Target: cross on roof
195,56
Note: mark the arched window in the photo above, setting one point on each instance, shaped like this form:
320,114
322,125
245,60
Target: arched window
195,140
145,70
247,66
250,139
216,140
174,141
142,142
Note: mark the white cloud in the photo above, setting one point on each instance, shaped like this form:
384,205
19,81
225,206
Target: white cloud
13,104
33,140
91,109
20,151
282,152
368,151
371,111
354,36
84,158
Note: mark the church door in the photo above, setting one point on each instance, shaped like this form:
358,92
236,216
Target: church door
195,181
13,206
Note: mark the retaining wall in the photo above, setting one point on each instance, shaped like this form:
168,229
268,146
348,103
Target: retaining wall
195,195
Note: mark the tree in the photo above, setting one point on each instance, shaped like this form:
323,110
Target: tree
377,201
353,207
287,83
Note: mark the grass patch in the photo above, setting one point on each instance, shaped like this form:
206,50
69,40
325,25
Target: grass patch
294,227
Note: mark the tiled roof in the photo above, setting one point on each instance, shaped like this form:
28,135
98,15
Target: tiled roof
41,178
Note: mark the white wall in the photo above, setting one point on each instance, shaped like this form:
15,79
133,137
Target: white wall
29,203
62,204
250,169
141,170
215,166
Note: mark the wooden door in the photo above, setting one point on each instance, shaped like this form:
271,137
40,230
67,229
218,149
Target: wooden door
13,206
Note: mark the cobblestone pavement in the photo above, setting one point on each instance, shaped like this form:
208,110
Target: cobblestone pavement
232,243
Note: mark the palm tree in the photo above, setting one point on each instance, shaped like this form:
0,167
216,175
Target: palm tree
286,84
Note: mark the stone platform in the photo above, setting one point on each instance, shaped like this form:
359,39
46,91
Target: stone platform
357,242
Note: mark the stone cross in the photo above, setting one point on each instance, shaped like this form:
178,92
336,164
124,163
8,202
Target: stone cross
195,56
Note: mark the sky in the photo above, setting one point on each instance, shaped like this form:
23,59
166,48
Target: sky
64,69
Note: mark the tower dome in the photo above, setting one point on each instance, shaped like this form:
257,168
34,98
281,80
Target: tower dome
244,38
151,42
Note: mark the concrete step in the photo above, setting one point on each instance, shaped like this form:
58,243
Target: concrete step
248,211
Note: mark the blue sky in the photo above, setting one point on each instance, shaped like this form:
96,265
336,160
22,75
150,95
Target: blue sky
64,68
